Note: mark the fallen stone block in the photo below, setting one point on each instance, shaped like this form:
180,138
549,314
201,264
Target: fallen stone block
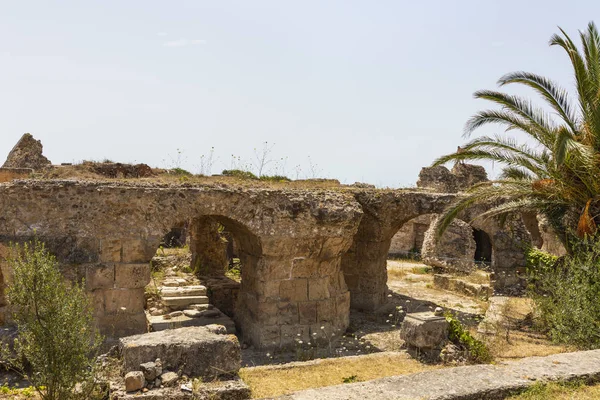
424,331
169,378
134,380
195,351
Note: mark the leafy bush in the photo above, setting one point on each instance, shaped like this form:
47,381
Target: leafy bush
535,258
477,351
238,173
56,338
566,294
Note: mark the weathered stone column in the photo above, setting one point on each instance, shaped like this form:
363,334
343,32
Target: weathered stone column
116,284
295,291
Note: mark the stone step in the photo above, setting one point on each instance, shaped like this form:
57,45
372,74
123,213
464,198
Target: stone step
182,291
183,302
160,324
175,282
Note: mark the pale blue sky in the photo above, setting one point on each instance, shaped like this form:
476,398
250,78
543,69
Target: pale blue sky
370,90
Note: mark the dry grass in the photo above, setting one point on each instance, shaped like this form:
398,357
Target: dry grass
479,277
270,381
515,337
555,391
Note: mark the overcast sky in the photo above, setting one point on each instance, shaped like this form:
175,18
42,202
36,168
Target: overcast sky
366,91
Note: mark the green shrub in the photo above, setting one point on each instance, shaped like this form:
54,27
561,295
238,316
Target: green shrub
180,172
567,292
238,173
535,258
56,340
477,351
275,178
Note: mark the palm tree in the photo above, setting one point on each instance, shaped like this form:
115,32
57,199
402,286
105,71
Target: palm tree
558,174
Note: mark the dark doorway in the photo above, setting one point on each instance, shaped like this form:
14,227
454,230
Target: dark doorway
483,247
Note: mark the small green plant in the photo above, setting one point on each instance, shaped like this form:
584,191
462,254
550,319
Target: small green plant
241,174
275,178
350,379
56,339
477,351
180,172
536,258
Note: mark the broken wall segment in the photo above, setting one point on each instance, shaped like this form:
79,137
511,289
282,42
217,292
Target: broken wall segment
460,178
27,153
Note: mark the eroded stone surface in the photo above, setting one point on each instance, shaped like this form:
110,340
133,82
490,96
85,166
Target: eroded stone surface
196,351
27,153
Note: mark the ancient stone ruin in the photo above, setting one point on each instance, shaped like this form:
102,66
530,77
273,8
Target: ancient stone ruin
307,255
27,153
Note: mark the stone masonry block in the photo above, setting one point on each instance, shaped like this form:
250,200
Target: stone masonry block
326,310
287,313
110,250
100,276
294,290
132,276
424,330
97,299
267,313
121,325
124,301
270,290
318,288
267,336
303,267
137,251
307,312
197,351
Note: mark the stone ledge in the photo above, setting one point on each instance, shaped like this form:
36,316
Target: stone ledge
456,284
472,382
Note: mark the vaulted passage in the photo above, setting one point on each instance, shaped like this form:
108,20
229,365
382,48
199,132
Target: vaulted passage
483,247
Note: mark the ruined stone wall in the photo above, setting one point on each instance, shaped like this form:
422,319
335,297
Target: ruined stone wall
508,240
107,233
365,263
461,177
410,237
455,250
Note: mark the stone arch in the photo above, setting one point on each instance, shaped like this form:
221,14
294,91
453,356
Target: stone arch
455,249
210,259
365,263
408,240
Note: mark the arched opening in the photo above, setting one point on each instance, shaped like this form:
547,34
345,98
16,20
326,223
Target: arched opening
483,247
193,285
408,240
176,238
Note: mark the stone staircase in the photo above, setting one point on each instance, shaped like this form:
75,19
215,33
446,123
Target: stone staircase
188,306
